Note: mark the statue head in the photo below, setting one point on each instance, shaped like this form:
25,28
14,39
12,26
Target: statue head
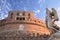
54,14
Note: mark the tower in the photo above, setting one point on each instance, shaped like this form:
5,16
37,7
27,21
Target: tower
22,24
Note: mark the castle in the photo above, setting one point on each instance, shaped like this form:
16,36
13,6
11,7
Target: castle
21,25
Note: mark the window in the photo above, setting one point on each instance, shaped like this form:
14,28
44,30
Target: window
20,18
11,15
23,18
29,14
17,18
23,14
37,34
34,20
17,14
33,34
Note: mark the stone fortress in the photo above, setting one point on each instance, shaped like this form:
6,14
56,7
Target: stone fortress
21,25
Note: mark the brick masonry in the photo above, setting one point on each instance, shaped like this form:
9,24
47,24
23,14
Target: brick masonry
21,21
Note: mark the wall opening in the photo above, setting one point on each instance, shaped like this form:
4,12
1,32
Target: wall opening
23,14
29,14
23,18
11,15
17,14
20,18
17,18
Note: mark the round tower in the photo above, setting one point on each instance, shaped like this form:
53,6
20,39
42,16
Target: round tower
22,22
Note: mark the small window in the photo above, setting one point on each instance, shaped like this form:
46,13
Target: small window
23,14
29,14
37,34
23,18
34,20
11,15
20,18
33,34
17,14
17,18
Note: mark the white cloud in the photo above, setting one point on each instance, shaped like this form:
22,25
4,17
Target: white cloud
3,1
6,15
21,1
41,1
2,17
25,8
0,9
37,11
4,9
58,9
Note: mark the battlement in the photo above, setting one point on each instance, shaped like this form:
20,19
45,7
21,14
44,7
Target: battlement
21,16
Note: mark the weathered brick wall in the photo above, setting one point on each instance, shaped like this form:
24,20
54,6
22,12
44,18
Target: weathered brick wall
37,28
19,35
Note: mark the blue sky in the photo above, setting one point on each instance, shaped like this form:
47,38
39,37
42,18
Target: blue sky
38,7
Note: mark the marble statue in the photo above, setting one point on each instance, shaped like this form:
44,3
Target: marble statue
51,17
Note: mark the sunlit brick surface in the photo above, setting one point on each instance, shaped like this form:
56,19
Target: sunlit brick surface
21,21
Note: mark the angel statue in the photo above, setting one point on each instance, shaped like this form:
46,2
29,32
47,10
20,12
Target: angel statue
51,17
